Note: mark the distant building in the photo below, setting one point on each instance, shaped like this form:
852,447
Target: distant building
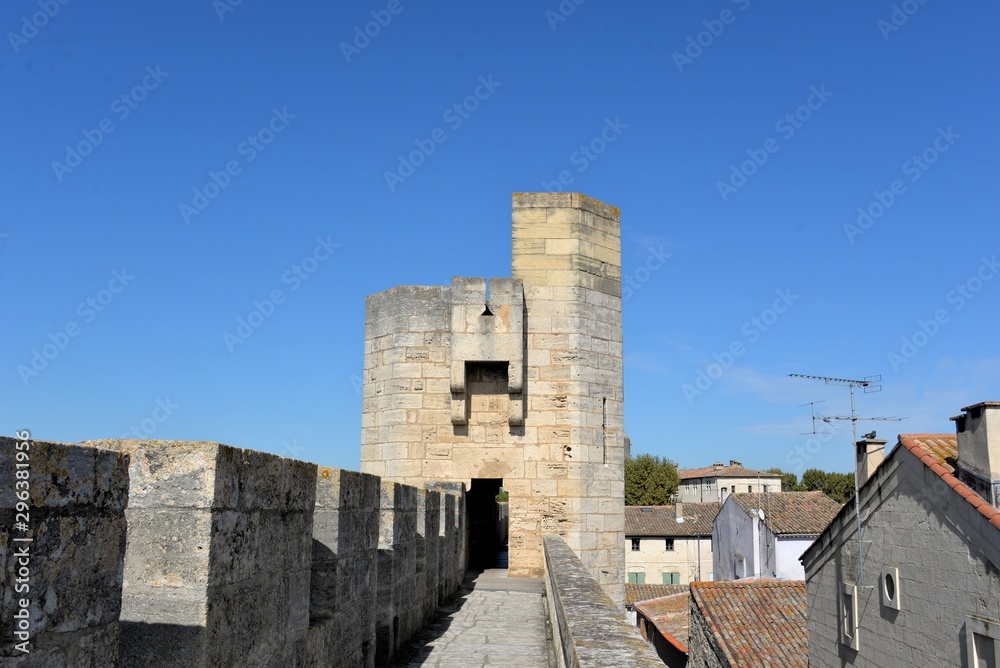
748,624
645,592
669,544
930,592
763,535
663,622
714,483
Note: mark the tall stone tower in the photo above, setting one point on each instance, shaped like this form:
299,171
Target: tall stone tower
519,386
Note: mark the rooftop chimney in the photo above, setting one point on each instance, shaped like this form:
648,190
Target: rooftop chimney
679,511
733,462
868,454
978,430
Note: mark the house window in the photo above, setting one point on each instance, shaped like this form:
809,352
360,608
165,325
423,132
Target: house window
670,544
890,588
635,544
637,578
849,615
671,578
750,489
982,642
985,651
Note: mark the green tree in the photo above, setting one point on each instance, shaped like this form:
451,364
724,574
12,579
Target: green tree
650,480
837,486
813,480
789,481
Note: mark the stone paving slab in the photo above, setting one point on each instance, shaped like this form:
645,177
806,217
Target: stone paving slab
486,625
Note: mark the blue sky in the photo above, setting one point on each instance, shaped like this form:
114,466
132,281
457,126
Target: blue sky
167,164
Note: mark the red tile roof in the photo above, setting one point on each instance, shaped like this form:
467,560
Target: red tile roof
792,513
933,450
661,520
671,615
646,592
756,622
724,472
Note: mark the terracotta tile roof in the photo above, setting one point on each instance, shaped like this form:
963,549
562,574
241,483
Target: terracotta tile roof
928,448
942,447
792,513
756,622
660,520
671,615
646,592
724,472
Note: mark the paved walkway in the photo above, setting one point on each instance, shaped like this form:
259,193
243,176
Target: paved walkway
494,621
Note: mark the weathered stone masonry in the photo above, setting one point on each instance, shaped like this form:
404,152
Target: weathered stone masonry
521,383
222,557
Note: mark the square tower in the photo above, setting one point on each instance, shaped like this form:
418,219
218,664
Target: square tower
519,386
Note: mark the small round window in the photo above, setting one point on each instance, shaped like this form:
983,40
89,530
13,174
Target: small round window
890,586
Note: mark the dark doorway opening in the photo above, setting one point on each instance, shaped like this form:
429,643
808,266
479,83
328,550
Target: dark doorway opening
487,525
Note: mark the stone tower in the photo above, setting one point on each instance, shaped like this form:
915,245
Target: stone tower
519,386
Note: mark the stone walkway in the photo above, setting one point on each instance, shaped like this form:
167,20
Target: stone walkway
494,621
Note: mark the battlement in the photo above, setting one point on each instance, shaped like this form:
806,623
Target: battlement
170,553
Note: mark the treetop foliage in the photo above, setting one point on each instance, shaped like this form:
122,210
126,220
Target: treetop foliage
837,486
650,480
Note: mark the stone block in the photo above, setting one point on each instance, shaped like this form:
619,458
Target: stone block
62,548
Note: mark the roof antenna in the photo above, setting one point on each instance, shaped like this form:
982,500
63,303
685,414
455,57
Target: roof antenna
870,386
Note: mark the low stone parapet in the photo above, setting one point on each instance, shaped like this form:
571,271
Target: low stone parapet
589,630
172,553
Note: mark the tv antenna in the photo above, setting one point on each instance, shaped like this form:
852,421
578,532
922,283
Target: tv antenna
870,385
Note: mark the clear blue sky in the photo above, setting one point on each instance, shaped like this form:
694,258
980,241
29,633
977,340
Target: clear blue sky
266,91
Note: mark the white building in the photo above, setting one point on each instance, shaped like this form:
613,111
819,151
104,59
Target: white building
763,535
714,483
669,544
929,590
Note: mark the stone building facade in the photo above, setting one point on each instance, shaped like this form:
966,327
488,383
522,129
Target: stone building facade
712,484
515,382
929,590
669,544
